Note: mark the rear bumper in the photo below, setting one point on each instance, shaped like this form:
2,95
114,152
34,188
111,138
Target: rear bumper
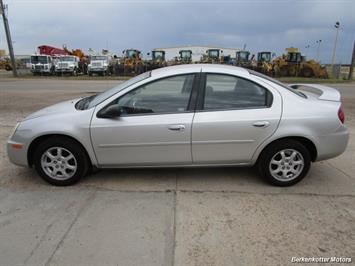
332,145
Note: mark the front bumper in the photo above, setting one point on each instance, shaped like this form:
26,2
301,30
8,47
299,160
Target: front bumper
64,70
17,155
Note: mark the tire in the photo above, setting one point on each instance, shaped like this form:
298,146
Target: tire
287,171
89,73
307,72
66,172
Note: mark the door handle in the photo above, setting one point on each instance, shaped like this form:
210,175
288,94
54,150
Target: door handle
177,127
261,124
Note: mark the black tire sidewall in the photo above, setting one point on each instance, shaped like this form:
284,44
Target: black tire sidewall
270,151
74,148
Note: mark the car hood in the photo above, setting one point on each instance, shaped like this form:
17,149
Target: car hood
59,108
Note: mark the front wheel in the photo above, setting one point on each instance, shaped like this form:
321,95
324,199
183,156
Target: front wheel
61,161
284,163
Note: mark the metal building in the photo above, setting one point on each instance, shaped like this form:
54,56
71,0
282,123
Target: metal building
197,51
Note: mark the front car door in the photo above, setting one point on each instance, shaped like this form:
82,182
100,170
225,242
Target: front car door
154,127
235,115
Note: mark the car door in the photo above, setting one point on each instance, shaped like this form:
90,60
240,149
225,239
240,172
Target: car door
154,127
234,116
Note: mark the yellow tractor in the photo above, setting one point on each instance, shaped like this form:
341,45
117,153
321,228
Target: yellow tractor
185,57
263,63
132,62
243,60
157,61
212,56
293,64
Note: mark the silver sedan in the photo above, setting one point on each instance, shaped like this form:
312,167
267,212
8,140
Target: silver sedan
186,116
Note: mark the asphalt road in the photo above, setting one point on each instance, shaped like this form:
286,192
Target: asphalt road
209,216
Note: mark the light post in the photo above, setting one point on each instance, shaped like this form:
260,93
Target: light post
307,48
318,49
337,26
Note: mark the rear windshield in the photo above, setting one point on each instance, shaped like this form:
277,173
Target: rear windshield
252,72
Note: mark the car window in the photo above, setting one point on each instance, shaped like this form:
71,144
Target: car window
229,92
168,95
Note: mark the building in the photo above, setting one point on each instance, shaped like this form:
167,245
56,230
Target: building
197,51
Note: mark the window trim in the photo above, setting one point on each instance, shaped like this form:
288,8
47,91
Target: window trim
202,90
191,103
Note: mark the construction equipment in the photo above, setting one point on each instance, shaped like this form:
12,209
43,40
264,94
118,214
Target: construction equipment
83,59
242,59
185,57
99,64
42,64
293,64
50,50
132,62
263,63
157,61
212,56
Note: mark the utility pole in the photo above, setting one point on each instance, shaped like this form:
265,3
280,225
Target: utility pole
8,37
337,26
318,48
352,64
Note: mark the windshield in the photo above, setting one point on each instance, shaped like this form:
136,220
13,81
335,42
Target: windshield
98,57
244,56
264,57
213,53
277,82
131,53
94,100
185,54
158,55
67,58
39,59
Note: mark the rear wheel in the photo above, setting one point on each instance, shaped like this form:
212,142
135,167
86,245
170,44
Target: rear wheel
284,163
61,161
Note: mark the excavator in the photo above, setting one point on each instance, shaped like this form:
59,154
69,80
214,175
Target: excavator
132,62
293,64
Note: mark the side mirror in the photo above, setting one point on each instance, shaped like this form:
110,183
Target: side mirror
110,112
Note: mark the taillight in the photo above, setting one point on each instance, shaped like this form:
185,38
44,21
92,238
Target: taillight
341,115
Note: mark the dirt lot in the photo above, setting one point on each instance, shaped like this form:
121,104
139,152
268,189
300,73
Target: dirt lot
214,216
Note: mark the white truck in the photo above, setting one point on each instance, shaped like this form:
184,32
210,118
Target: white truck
67,64
42,64
99,64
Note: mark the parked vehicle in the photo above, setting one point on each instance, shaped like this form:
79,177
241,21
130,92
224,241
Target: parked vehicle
68,64
42,64
99,64
187,115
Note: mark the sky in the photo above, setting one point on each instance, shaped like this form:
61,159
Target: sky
269,25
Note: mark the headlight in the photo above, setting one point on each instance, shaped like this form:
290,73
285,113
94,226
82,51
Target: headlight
14,130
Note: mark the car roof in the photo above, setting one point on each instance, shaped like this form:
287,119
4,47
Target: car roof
189,68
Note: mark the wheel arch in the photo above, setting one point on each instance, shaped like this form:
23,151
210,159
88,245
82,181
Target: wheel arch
309,145
32,147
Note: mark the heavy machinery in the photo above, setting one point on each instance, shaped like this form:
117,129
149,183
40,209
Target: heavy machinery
42,64
83,59
212,56
263,63
99,64
68,64
293,64
157,61
131,62
185,57
242,59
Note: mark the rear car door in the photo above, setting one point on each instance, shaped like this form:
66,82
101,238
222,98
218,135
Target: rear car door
233,117
154,127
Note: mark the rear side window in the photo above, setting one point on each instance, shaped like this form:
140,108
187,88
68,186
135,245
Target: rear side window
223,92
